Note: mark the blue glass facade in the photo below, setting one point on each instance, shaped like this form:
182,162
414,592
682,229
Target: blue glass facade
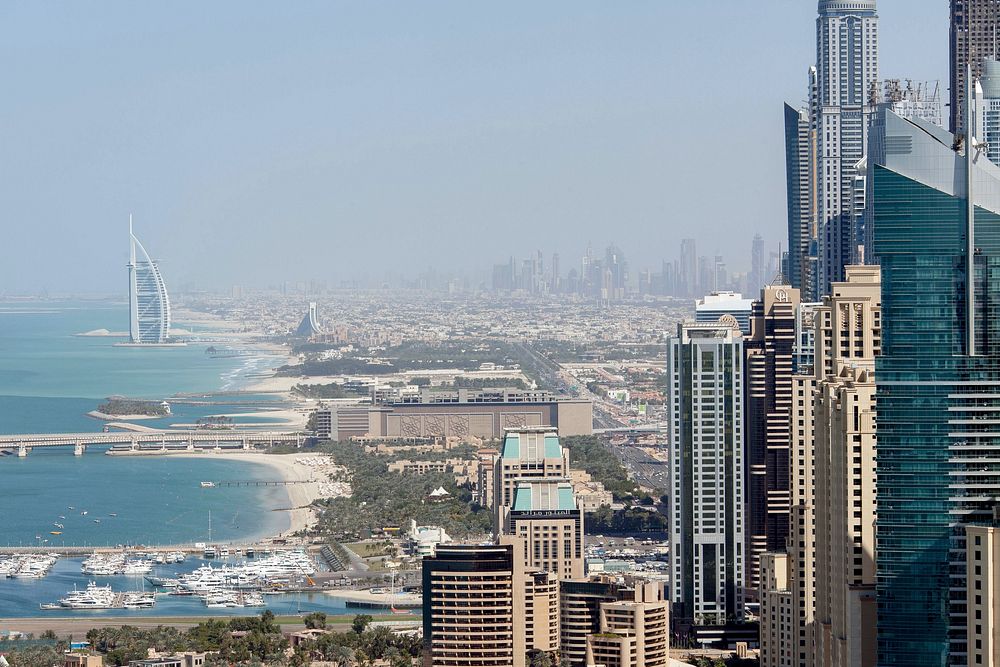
938,462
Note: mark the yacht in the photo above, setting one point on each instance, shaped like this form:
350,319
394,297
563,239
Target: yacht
94,597
209,552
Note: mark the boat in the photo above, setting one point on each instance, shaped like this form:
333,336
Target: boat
61,516
207,485
113,514
55,532
224,552
58,525
71,507
209,552
83,513
49,606
97,520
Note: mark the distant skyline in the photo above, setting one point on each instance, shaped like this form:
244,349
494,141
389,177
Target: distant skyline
259,143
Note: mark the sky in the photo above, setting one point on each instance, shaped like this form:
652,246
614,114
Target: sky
256,143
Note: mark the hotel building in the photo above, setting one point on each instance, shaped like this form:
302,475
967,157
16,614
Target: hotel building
705,419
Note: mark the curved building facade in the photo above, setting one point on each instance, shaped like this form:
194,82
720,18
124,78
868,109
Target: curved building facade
149,304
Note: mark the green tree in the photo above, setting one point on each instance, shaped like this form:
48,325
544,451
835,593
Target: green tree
315,620
361,623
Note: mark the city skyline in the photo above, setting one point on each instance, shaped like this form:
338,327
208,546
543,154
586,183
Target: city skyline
586,139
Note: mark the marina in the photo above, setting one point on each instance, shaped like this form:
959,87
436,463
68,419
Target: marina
23,597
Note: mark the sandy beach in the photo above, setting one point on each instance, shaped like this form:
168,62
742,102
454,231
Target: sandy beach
300,496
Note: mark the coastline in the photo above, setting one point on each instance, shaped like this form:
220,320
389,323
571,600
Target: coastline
301,494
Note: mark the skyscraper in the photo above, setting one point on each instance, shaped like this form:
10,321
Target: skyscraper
705,421
938,384
818,598
799,156
974,36
149,304
534,500
756,278
769,355
688,270
846,70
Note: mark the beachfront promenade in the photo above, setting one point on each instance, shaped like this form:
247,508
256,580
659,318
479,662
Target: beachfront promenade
151,441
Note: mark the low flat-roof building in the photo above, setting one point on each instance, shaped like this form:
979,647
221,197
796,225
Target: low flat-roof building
464,413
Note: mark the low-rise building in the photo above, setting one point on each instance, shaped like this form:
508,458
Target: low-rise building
154,659
422,541
78,659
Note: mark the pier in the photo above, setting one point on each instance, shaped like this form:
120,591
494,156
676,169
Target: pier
152,441
258,482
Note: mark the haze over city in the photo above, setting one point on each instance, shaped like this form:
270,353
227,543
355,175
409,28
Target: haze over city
327,141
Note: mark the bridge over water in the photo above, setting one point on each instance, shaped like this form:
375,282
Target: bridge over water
151,441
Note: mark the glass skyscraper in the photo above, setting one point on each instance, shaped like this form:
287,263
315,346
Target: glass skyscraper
938,401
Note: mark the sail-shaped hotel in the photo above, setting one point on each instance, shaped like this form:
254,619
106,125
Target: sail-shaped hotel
149,304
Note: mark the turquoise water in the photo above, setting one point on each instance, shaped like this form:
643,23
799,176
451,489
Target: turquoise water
49,380
158,500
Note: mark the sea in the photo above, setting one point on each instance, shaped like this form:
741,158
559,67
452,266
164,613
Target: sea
50,377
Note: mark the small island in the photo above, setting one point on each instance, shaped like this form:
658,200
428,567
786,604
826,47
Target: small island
121,408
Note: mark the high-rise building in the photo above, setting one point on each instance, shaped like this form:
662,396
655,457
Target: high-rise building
846,71
149,304
309,326
530,453
938,382
987,109
799,157
756,278
541,612
974,28
705,421
533,498
546,515
713,306
982,563
633,633
474,606
777,618
688,272
769,358
631,613
827,586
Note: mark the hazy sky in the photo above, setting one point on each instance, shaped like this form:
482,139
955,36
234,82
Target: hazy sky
258,142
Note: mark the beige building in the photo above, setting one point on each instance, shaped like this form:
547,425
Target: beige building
830,563
545,514
777,629
982,564
590,494
466,415
527,454
534,499
481,608
632,632
83,660
541,612
605,605
801,548
474,606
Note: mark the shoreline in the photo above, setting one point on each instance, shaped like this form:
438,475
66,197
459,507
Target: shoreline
300,495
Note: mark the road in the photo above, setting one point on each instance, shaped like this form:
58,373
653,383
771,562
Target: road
643,468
